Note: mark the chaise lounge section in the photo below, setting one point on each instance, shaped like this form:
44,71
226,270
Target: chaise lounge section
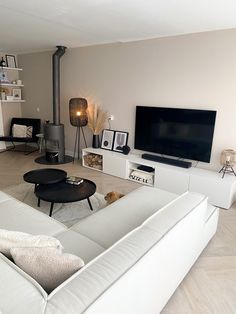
136,250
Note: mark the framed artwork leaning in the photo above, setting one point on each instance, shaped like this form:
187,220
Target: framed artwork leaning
120,140
107,139
11,61
16,93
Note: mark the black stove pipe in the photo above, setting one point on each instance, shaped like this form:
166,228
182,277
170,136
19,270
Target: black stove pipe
56,83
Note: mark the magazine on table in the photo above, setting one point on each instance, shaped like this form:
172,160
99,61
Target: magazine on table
74,180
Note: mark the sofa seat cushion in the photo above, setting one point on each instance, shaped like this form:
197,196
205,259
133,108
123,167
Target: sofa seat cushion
17,216
79,245
19,293
110,224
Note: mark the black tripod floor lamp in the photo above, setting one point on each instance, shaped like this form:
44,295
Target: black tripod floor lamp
79,119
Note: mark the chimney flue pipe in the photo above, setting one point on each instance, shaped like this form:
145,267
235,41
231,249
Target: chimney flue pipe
56,83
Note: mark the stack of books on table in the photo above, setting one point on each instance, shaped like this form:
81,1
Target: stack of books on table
74,180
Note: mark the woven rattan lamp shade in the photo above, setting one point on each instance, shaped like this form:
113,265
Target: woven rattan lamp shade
78,105
228,157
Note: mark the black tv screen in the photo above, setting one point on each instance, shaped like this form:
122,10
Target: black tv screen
184,133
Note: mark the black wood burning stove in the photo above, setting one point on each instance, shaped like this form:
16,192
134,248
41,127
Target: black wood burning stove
54,132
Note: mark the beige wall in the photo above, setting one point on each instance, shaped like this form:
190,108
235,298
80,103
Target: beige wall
190,71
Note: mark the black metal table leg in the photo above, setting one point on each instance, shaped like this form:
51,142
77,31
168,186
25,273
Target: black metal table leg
51,209
38,202
90,205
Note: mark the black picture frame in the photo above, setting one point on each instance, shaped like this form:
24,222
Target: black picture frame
11,61
107,139
120,140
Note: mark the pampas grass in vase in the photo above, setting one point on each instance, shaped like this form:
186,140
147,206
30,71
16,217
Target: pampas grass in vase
97,119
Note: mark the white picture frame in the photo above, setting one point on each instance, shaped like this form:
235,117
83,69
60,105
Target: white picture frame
107,139
120,140
16,93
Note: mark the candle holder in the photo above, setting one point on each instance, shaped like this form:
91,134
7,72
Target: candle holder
228,160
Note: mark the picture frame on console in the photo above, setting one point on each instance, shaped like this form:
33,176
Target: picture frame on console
107,139
120,140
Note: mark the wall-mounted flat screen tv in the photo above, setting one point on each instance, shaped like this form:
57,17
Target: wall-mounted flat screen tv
183,133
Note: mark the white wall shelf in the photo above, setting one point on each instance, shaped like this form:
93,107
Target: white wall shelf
10,85
9,108
220,192
14,69
15,100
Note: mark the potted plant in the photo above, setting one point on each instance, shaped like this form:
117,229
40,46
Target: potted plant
97,119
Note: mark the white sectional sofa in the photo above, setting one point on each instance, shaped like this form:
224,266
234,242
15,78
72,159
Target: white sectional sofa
137,251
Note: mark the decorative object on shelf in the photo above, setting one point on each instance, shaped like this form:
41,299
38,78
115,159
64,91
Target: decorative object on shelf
11,61
16,93
96,141
3,92
19,82
3,77
2,95
78,118
120,140
107,139
228,160
125,149
2,63
9,98
97,119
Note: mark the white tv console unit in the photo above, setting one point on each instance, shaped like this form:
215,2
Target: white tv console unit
221,192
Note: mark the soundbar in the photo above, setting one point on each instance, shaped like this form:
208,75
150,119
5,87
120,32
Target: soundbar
168,161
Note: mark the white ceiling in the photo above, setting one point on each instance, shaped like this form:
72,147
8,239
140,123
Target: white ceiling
36,25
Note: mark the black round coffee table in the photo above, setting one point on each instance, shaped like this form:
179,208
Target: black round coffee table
45,176
64,192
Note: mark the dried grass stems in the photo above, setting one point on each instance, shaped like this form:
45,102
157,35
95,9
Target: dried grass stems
97,118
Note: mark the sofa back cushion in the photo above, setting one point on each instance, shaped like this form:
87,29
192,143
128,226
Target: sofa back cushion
171,214
17,216
113,222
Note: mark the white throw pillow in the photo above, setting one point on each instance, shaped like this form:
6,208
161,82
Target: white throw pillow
48,266
12,239
19,130
29,131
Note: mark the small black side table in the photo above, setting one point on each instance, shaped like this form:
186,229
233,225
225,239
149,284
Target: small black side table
63,192
44,176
